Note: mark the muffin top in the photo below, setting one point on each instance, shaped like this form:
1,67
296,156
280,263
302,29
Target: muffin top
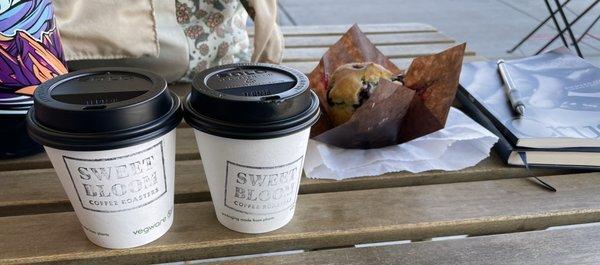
352,83
350,86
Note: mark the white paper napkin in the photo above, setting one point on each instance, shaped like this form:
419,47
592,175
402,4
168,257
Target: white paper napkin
462,143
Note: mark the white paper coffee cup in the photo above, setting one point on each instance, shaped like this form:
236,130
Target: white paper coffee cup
122,197
110,135
253,183
252,124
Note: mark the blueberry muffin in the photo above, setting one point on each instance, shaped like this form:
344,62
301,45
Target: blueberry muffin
350,86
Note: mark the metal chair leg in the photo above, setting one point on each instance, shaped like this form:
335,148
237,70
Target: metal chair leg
568,26
588,30
541,24
556,22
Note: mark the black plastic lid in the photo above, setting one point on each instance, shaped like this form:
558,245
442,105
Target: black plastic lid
251,101
102,108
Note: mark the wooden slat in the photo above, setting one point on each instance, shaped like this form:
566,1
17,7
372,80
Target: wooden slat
185,146
565,246
307,67
39,191
377,39
325,220
402,63
395,51
28,162
181,89
341,29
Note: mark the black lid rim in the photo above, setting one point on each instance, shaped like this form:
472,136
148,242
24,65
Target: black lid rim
107,140
199,81
252,131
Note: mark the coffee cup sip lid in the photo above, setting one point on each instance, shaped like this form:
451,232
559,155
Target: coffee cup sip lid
251,101
102,108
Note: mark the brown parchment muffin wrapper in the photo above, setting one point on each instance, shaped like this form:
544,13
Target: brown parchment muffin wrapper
394,113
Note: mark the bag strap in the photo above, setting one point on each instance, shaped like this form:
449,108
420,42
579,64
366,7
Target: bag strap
268,39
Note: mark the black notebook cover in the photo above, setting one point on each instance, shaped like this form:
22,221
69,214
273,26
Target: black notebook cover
503,146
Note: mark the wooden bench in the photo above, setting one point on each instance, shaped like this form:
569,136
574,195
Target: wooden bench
564,246
37,223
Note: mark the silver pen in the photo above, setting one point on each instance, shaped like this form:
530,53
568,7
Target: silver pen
514,96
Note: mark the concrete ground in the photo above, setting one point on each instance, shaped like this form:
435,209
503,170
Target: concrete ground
490,27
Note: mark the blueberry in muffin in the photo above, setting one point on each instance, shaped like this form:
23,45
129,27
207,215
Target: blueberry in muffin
350,86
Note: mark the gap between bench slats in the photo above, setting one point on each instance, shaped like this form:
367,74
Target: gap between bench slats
377,39
325,220
312,30
566,246
402,63
391,51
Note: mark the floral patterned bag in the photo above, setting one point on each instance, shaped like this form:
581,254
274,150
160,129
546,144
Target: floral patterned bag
217,32
175,38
